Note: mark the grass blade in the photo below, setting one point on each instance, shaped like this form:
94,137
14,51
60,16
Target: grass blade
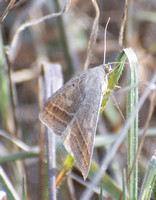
132,137
7,186
4,87
65,168
23,189
149,180
19,156
101,192
124,184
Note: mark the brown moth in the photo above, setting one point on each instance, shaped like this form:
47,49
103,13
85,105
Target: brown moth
72,112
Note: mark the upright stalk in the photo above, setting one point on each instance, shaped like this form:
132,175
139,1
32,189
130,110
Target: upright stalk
132,136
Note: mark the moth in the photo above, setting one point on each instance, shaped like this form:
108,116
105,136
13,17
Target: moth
72,113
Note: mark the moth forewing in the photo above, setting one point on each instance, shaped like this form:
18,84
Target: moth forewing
72,112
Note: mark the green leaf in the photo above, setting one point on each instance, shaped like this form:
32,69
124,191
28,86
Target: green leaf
101,192
19,156
68,163
7,186
132,137
124,184
149,182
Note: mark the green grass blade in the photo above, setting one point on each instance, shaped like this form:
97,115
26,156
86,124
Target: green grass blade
154,191
124,185
4,87
7,186
132,137
149,182
68,163
23,189
15,141
19,156
101,192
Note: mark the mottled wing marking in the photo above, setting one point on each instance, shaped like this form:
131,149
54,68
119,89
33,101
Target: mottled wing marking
52,115
60,108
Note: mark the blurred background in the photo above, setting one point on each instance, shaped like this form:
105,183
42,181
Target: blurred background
63,41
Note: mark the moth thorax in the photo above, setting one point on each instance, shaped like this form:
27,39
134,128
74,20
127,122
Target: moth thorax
108,68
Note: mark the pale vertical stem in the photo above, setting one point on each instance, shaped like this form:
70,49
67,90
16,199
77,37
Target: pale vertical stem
50,87
129,31
105,43
123,196
50,141
41,146
51,165
51,159
123,23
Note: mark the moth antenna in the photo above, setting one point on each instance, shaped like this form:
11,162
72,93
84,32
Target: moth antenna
104,56
117,106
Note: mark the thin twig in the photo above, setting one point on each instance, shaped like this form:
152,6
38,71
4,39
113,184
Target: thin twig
105,42
117,106
17,4
93,35
144,83
17,142
11,3
71,188
123,23
41,146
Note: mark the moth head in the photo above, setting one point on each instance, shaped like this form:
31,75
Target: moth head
107,68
